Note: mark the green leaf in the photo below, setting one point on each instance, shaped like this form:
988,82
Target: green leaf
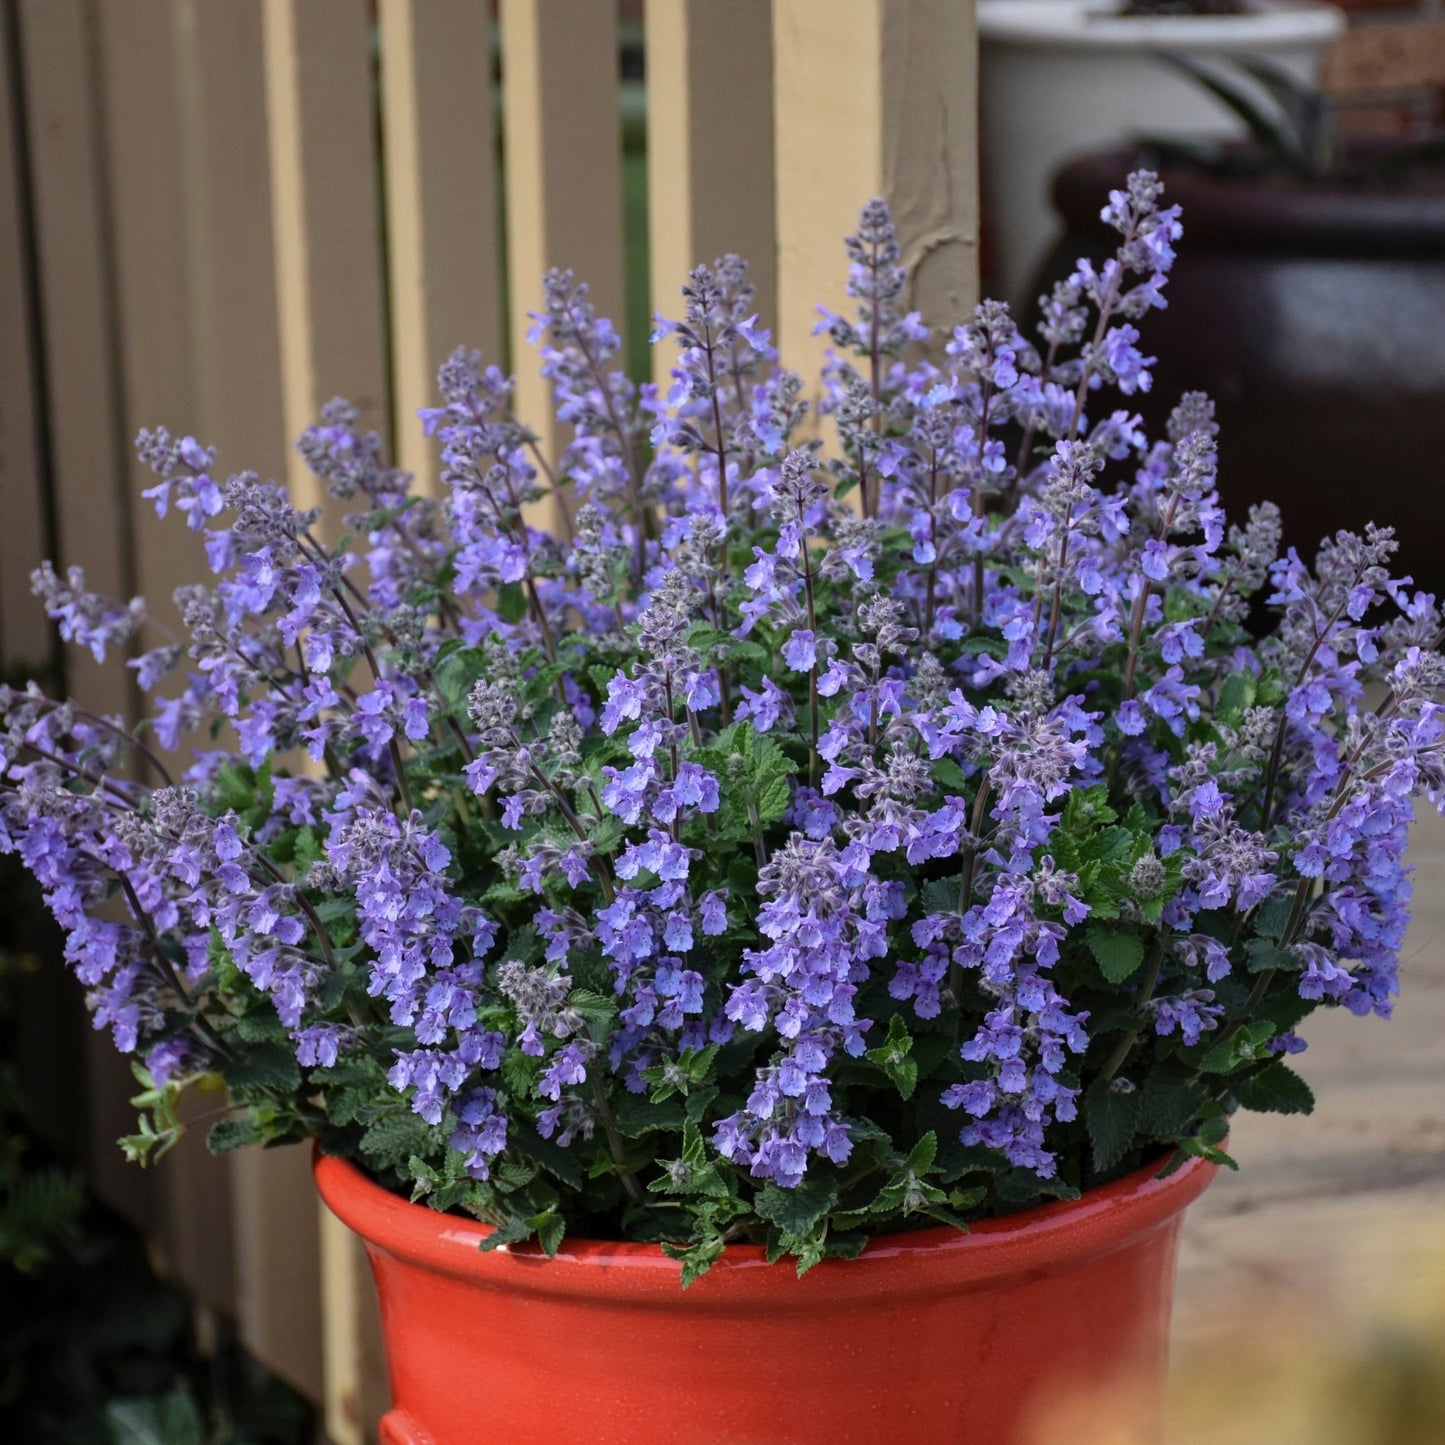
173,1419
696,1259
1117,954
228,1134
514,1231
236,787
949,776
1205,1144
597,1009
1272,915
773,798
391,1140
1266,953
1266,126
264,1069
796,1211
562,1164
1244,1047
1168,1103
1276,1089
1235,696
940,895
922,1155
458,673
549,1227
1111,1113
511,602
893,1057
261,1026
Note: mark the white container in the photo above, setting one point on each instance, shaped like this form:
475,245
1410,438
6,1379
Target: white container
1059,77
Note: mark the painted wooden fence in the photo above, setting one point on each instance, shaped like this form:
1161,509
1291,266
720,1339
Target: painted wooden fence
217,214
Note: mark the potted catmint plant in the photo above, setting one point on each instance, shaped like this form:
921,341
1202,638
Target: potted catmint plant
773,957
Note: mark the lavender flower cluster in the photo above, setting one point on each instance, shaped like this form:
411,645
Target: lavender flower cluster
775,817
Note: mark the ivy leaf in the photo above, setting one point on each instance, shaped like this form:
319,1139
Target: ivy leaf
1276,1089
1117,954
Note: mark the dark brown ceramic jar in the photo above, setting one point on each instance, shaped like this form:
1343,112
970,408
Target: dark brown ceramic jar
1315,316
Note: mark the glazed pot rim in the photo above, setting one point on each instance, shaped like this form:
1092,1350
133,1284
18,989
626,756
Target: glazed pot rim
1093,25
934,1260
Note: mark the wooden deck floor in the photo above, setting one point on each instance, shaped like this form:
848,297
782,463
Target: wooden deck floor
1337,1221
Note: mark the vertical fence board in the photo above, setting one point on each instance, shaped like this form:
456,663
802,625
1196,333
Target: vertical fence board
326,236
25,641
235,348
874,97
139,71
76,302
146,206
563,155
325,216
439,144
75,297
278,1271
356,1382
709,145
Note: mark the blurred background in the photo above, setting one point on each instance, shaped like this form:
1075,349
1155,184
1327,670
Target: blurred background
217,214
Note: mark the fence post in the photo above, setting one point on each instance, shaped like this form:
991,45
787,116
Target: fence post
874,97
442,244
709,145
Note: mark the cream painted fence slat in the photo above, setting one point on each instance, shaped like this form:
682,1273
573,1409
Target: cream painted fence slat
442,242
562,134
67,169
874,97
325,209
709,145
235,347
140,70
326,224
75,295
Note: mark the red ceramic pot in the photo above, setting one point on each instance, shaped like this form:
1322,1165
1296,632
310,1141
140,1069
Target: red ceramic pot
928,1337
